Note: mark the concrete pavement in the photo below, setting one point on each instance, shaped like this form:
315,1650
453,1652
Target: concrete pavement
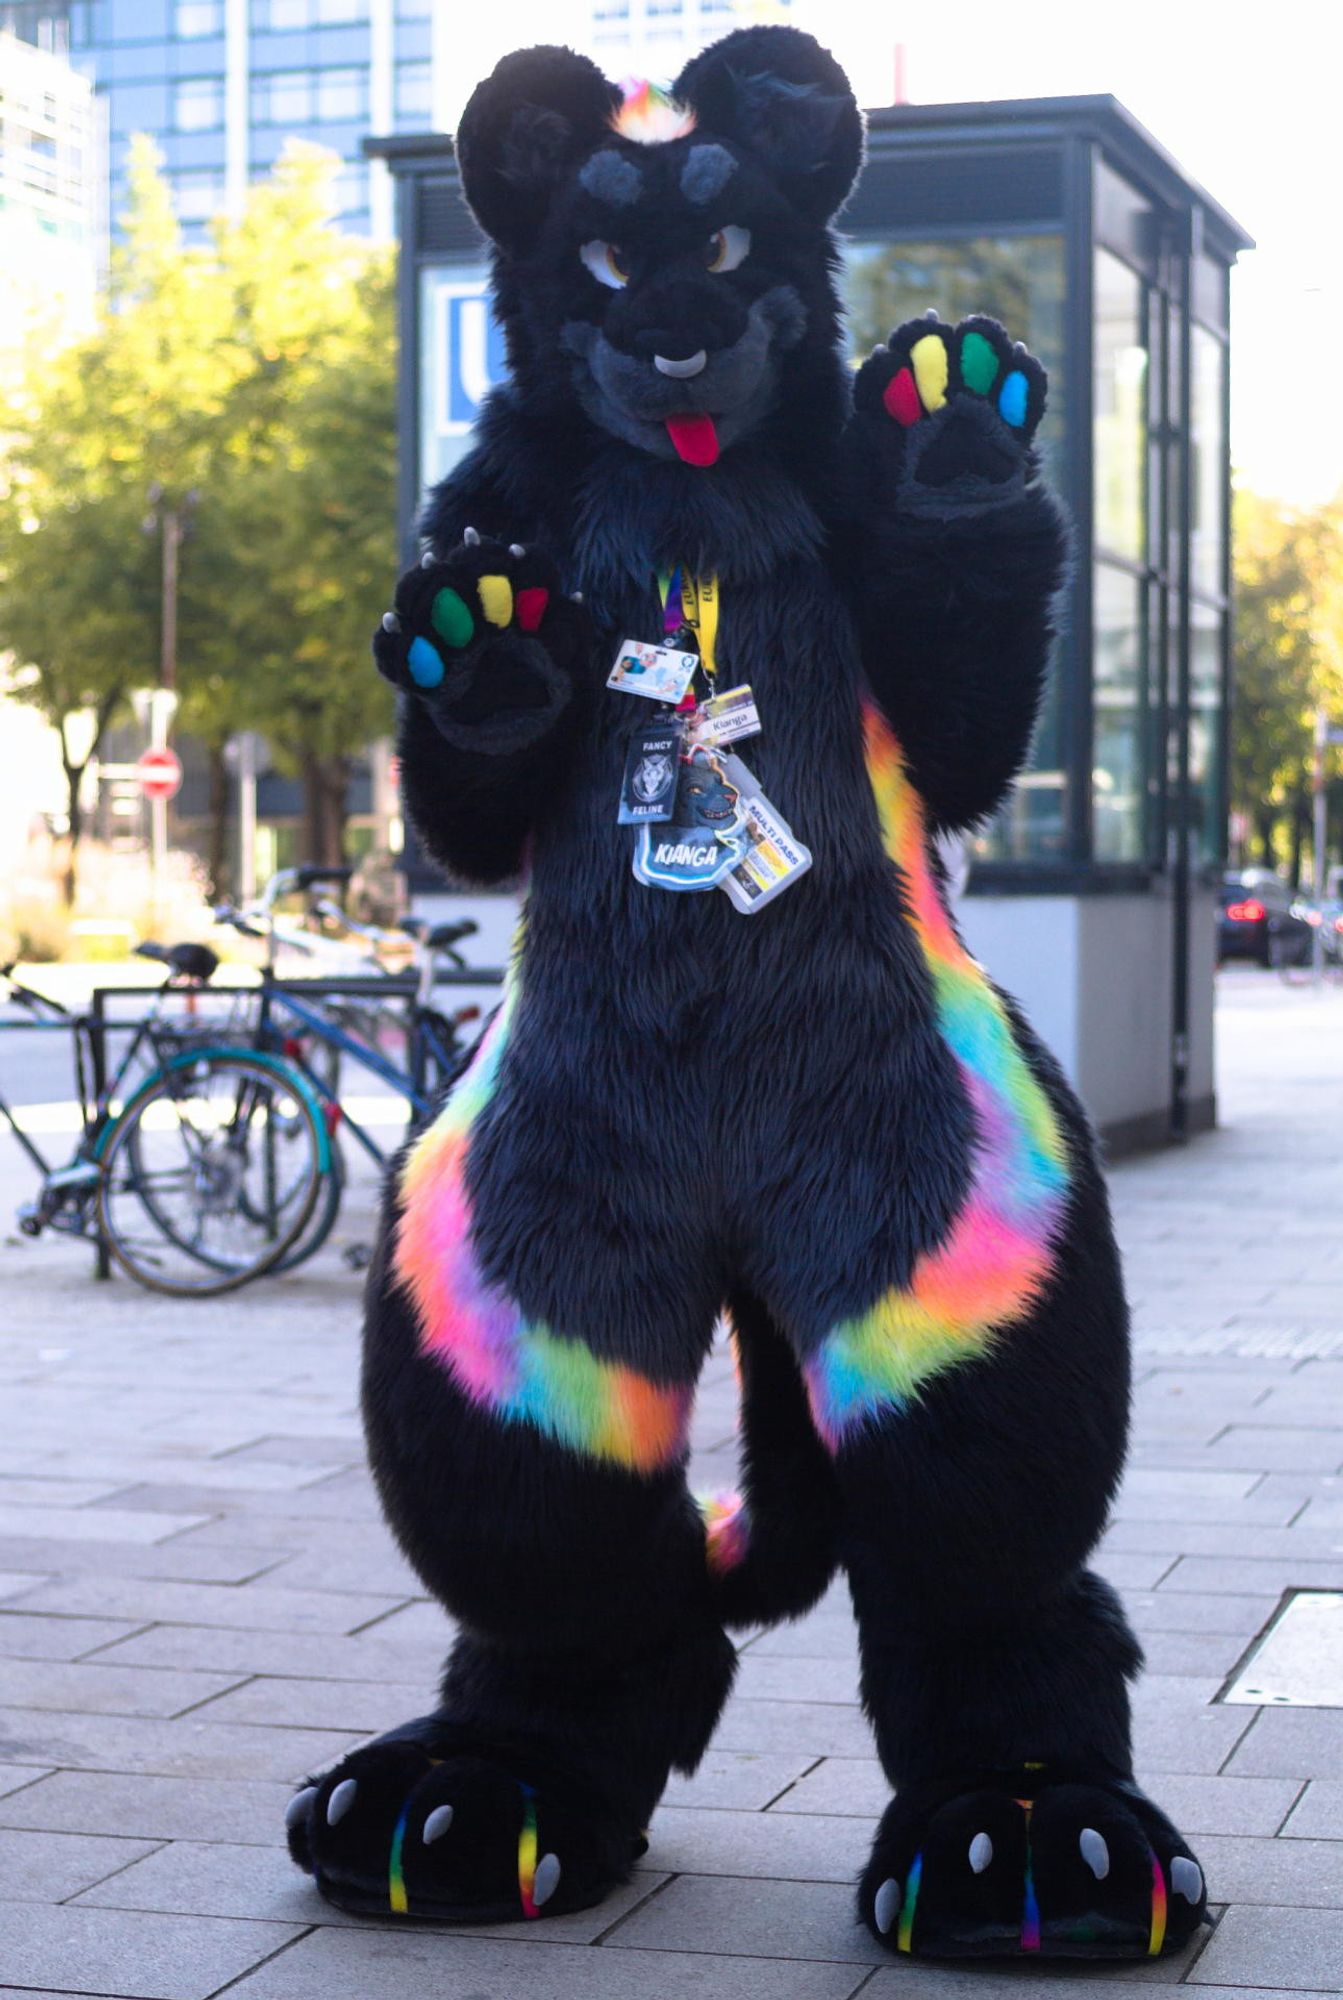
199,1603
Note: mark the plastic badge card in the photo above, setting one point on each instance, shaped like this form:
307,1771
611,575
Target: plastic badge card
774,859
725,718
660,672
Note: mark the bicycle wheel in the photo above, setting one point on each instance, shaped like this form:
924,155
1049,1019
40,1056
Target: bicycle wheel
211,1173
323,1218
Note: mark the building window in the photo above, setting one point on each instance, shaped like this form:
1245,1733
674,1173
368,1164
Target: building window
282,98
414,10
341,94
194,18
198,104
332,13
414,90
349,188
1118,779
198,196
1120,392
280,14
1208,443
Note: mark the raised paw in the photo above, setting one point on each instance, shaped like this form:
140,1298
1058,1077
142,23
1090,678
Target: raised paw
961,403
487,637
419,1824
1035,1868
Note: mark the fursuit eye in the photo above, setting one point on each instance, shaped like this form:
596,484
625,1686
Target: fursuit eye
606,263
727,248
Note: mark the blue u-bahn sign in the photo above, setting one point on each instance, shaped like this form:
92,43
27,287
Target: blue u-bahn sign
462,358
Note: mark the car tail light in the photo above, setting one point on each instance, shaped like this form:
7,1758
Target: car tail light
1246,913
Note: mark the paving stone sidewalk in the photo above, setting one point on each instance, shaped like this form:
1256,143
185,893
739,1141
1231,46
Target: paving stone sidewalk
199,1603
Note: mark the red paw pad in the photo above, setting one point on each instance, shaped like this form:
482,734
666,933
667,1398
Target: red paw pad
530,606
902,399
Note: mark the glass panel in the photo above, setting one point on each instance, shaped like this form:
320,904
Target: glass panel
198,17
288,13
283,98
340,94
1120,393
1118,781
1208,446
198,105
1205,728
198,196
1019,280
414,89
461,358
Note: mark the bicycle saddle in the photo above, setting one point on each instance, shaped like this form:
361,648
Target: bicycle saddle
184,961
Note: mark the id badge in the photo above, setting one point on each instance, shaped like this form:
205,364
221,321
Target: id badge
707,835
661,672
725,718
774,858
652,770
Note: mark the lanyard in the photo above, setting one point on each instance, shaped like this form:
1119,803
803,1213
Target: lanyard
693,601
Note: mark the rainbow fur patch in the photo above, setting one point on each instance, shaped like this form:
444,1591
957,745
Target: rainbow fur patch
522,1371
999,1252
726,1531
649,116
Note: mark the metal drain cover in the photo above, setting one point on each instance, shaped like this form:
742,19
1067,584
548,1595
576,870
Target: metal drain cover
1299,1661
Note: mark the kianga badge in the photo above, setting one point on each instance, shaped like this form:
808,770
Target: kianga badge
706,836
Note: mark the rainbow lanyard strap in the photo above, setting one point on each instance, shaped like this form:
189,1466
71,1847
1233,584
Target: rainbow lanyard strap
693,601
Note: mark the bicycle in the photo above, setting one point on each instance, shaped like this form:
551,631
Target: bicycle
205,1171
309,1025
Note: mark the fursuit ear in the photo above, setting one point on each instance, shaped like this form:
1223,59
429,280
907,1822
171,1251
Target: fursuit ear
523,129
780,96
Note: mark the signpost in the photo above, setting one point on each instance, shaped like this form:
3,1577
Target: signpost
160,774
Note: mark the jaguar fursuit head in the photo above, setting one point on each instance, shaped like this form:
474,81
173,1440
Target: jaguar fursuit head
809,1109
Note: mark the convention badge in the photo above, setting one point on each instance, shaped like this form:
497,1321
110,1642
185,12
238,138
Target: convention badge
774,859
652,771
725,718
663,673
707,836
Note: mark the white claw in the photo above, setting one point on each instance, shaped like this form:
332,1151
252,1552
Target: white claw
885,1905
981,1853
546,1880
1186,1878
297,1808
437,1824
1094,1852
471,538
575,596
931,314
516,549
390,622
878,351
428,559
341,1800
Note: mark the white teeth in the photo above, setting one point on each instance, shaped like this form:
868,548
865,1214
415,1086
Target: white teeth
437,1824
1186,1878
471,538
340,1801
427,559
981,1852
297,1808
516,549
885,1904
390,622
1094,1852
546,1880
681,371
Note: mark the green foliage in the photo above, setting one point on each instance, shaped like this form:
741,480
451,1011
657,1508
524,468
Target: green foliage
251,383
1288,661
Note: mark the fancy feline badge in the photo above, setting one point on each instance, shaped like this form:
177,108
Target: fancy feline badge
652,769
659,672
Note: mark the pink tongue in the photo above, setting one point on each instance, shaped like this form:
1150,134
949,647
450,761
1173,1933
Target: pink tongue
695,439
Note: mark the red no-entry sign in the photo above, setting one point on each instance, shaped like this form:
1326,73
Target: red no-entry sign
160,773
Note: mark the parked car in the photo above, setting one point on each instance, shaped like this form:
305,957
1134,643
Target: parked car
1261,919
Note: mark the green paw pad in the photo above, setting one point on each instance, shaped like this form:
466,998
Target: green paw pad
451,619
979,363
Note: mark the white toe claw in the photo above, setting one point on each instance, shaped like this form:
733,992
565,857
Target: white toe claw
428,559
471,538
1094,1852
981,1853
341,1800
390,622
885,1904
297,1808
1186,1878
516,549
546,1880
437,1824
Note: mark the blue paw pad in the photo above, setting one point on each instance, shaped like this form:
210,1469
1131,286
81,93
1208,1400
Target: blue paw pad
1012,400
426,668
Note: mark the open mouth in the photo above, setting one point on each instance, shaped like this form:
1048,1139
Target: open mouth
694,436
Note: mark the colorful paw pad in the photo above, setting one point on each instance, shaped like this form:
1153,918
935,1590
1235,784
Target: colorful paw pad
920,388
450,617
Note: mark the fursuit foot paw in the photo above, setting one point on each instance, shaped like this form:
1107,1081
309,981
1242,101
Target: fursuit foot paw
424,1823
955,409
1030,1866
488,641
